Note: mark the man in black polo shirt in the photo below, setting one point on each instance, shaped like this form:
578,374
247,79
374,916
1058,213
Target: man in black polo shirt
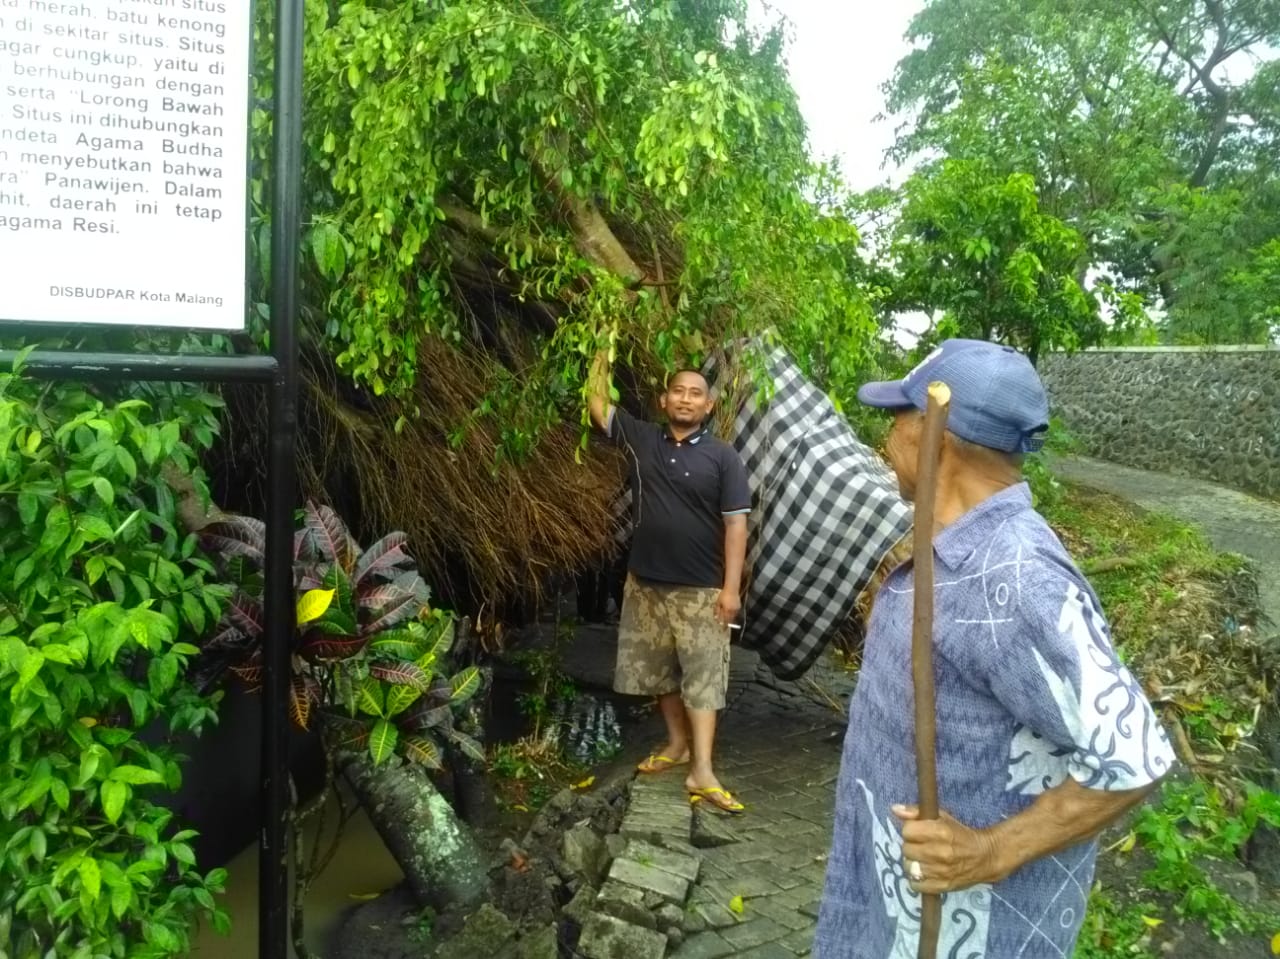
684,581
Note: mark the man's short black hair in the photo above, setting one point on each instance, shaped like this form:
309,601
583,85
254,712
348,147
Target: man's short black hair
687,369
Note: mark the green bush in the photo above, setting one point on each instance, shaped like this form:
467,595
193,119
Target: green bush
100,597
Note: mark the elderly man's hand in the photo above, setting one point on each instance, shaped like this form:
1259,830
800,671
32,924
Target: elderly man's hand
949,854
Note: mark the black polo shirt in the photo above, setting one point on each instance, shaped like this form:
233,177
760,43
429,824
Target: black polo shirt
681,490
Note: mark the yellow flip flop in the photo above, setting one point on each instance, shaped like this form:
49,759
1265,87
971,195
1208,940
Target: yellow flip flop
720,798
659,764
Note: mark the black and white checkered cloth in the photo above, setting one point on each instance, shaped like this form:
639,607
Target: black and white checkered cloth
826,511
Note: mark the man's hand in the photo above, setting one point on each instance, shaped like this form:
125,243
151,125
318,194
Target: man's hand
728,605
950,855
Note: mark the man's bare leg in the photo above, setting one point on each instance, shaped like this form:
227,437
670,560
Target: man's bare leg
677,747
703,723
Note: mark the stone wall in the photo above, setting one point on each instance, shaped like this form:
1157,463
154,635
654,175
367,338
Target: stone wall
1211,412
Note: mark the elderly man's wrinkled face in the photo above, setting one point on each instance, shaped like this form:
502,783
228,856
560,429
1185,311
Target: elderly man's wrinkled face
902,449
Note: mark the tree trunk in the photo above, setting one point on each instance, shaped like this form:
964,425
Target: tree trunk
438,854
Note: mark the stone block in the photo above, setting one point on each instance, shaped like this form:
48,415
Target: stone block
692,921
650,879
686,867
669,916
543,943
581,905
615,843
625,903
585,853
605,937
487,932
707,831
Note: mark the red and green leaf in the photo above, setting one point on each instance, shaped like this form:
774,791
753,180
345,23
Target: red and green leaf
400,698
236,535
249,673
329,535
319,646
400,643
228,637
393,614
386,554
401,674
425,716
382,741
422,751
464,685
304,694
469,746
246,612
369,698
442,641
385,594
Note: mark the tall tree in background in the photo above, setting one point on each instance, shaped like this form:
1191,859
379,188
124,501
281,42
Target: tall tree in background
1151,126
975,245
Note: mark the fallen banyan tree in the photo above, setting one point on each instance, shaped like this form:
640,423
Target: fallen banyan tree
494,191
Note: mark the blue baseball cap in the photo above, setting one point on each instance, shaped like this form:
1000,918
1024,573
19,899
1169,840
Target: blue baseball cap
997,399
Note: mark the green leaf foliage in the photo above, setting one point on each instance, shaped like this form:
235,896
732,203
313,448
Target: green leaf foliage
1150,128
101,600
372,670
633,170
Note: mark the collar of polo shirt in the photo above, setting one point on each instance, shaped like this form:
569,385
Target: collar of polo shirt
692,439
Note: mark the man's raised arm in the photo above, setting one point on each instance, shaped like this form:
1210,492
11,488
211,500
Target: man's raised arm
599,387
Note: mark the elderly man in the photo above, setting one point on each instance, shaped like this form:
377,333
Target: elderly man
1044,737
685,570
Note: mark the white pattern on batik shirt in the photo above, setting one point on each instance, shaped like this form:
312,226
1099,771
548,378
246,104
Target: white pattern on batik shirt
1029,692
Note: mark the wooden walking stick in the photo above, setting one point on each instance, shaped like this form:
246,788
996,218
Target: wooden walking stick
935,422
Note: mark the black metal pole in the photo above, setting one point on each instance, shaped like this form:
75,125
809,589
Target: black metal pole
86,367
273,865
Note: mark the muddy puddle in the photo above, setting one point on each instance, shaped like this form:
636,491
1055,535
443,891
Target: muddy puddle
361,870
588,727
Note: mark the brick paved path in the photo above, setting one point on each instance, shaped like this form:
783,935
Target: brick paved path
779,752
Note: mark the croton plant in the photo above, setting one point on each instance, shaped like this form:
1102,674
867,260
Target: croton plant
370,669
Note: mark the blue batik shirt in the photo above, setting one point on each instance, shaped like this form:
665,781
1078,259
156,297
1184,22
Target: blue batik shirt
1029,693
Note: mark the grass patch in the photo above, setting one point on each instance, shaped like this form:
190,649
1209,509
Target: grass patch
530,771
1156,576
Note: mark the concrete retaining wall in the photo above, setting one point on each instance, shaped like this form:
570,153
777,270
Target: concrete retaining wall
1210,412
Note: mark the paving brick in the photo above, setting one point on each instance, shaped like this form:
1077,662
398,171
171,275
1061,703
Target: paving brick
781,914
650,879
770,950
757,932
678,864
801,941
717,915
704,945
748,884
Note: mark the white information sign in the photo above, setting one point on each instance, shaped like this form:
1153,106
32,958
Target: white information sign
123,146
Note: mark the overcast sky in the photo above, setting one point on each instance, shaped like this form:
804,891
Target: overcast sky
841,53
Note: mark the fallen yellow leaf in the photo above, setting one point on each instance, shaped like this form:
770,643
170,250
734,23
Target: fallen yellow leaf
1129,842
1152,922
736,905
1275,944
585,784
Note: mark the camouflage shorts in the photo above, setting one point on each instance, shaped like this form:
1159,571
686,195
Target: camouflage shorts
669,640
